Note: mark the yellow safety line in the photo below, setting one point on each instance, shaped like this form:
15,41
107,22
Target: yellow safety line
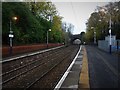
84,77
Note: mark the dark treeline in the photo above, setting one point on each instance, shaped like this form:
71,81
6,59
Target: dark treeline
32,23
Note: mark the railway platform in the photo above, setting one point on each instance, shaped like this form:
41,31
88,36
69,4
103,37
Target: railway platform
6,59
76,77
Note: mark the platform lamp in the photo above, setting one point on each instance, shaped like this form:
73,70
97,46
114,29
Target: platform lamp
110,25
11,34
50,19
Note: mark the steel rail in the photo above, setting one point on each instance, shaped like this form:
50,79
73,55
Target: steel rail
23,66
29,86
26,70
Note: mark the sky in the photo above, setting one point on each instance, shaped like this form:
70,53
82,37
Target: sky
77,13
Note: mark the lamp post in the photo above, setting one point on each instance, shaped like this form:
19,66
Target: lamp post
47,37
110,22
11,35
110,33
65,34
50,19
94,34
110,41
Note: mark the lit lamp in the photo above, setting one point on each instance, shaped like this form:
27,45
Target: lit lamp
14,18
11,35
50,19
110,42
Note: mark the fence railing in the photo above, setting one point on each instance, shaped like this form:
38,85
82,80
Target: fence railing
104,45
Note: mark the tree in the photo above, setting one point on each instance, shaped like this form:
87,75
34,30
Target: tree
68,32
56,32
32,23
100,21
42,9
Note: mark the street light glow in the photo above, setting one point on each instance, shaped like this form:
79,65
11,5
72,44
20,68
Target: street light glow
50,30
15,18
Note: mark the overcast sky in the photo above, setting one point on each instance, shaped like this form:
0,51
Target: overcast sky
77,13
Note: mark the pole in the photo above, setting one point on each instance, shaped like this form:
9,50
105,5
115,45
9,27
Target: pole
110,34
49,29
94,36
65,36
47,38
10,53
10,46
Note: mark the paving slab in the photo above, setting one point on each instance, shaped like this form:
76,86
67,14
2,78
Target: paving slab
72,80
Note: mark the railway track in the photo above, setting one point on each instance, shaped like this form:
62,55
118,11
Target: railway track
31,62
34,63
26,72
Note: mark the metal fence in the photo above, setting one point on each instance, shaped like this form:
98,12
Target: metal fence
104,45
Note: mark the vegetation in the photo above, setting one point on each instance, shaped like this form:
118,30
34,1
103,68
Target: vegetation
32,23
99,21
